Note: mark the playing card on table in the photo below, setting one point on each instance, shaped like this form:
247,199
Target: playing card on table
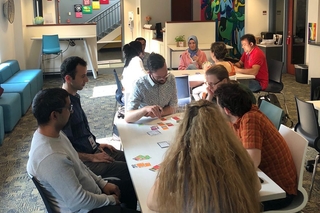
161,124
155,168
154,127
163,144
176,119
142,157
153,132
169,124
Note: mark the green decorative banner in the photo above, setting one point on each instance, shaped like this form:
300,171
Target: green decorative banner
87,9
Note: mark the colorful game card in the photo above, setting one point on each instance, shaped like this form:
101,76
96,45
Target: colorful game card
142,157
140,165
169,124
176,119
161,124
163,119
155,168
163,144
164,127
154,127
153,132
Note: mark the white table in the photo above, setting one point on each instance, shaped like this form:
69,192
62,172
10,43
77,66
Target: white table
84,39
136,141
175,52
196,77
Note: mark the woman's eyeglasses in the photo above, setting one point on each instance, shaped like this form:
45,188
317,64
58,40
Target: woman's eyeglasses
211,84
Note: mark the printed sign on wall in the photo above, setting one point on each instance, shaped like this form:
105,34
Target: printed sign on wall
78,14
86,2
95,5
104,1
77,8
87,9
312,32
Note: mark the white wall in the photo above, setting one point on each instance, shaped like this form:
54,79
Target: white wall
255,21
313,52
279,17
160,11
196,10
11,36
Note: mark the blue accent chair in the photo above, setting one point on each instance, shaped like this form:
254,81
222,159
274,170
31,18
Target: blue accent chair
50,46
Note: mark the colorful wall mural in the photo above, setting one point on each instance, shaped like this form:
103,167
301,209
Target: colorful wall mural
229,18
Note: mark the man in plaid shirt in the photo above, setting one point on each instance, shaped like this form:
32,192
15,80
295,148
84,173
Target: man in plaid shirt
265,145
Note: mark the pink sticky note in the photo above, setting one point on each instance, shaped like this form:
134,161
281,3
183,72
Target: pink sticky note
78,14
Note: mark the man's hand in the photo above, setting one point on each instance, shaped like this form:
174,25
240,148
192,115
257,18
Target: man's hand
153,111
102,157
117,199
110,189
110,147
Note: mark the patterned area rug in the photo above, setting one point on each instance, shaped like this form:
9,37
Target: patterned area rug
18,194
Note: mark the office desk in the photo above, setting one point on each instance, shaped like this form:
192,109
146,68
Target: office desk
175,52
136,141
84,39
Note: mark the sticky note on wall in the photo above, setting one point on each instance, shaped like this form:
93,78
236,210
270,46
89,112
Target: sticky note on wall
95,5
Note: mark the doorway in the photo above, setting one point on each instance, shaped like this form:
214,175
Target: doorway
295,28
288,17
181,10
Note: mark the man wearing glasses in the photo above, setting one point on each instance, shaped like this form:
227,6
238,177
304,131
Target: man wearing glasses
154,95
69,185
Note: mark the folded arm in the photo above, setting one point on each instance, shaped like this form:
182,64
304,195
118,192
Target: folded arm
251,71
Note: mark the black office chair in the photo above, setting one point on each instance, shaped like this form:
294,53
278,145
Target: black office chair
308,127
42,194
315,89
119,94
273,112
275,84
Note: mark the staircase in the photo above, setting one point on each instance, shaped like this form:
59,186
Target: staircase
108,25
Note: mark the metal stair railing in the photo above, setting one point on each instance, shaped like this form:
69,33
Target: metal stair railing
106,20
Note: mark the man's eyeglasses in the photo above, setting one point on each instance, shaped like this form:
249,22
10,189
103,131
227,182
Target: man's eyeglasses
70,108
212,84
158,78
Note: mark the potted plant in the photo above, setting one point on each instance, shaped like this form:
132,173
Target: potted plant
181,41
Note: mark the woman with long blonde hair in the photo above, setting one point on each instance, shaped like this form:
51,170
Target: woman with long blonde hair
206,169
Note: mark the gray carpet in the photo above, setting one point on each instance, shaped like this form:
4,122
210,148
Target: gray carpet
17,192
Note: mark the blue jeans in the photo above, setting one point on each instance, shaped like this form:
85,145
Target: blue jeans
254,85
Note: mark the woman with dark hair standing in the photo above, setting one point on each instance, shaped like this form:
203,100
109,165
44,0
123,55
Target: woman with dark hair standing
133,66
